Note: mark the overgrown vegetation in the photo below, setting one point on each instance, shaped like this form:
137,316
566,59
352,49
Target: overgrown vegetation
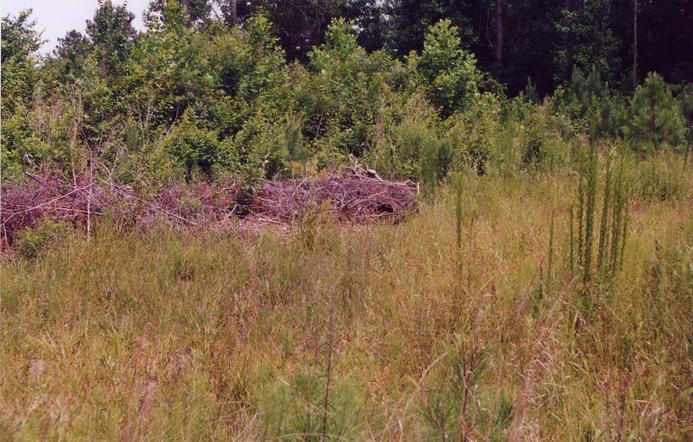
448,324
189,100
542,290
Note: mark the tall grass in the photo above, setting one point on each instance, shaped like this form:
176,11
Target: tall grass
171,336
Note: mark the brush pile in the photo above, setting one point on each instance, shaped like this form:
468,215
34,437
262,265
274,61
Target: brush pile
356,195
50,196
351,197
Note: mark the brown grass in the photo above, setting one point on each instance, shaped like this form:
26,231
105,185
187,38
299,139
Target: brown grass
161,337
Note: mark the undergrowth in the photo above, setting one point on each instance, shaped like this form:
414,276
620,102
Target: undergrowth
467,322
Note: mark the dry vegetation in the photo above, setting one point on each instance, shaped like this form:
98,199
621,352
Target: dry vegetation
457,324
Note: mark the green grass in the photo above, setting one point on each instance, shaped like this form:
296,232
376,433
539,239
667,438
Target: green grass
169,336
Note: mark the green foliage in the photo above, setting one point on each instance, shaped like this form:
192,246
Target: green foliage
530,92
70,53
196,11
167,72
261,145
191,97
247,62
20,41
112,36
449,73
655,117
589,42
473,134
589,102
195,150
656,179
19,146
602,229
300,24
33,242
292,407
294,143
536,153
409,143
686,99
454,407
340,94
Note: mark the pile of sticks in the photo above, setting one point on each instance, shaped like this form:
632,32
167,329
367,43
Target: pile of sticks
352,197
50,196
355,195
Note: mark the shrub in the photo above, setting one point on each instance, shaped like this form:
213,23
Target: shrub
260,147
449,73
196,150
247,61
34,241
473,134
340,94
534,154
454,407
686,99
408,143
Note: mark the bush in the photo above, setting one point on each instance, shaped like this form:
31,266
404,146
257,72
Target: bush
534,154
474,134
248,61
340,93
261,146
454,407
408,143
195,150
34,241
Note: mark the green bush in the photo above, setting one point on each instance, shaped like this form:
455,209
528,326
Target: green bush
261,145
454,407
339,95
196,151
474,134
20,147
408,142
535,150
34,241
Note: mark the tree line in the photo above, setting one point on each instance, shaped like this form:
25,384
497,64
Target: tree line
514,40
415,88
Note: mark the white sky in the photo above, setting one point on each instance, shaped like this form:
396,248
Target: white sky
57,17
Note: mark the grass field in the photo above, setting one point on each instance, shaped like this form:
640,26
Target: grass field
402,331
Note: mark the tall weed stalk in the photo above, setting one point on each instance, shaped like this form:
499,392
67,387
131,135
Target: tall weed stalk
610,237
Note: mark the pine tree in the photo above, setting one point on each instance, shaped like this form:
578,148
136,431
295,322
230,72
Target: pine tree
656,120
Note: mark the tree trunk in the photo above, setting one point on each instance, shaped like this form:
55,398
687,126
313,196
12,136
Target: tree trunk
499,33
567,6
635,42
186,5
233,12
